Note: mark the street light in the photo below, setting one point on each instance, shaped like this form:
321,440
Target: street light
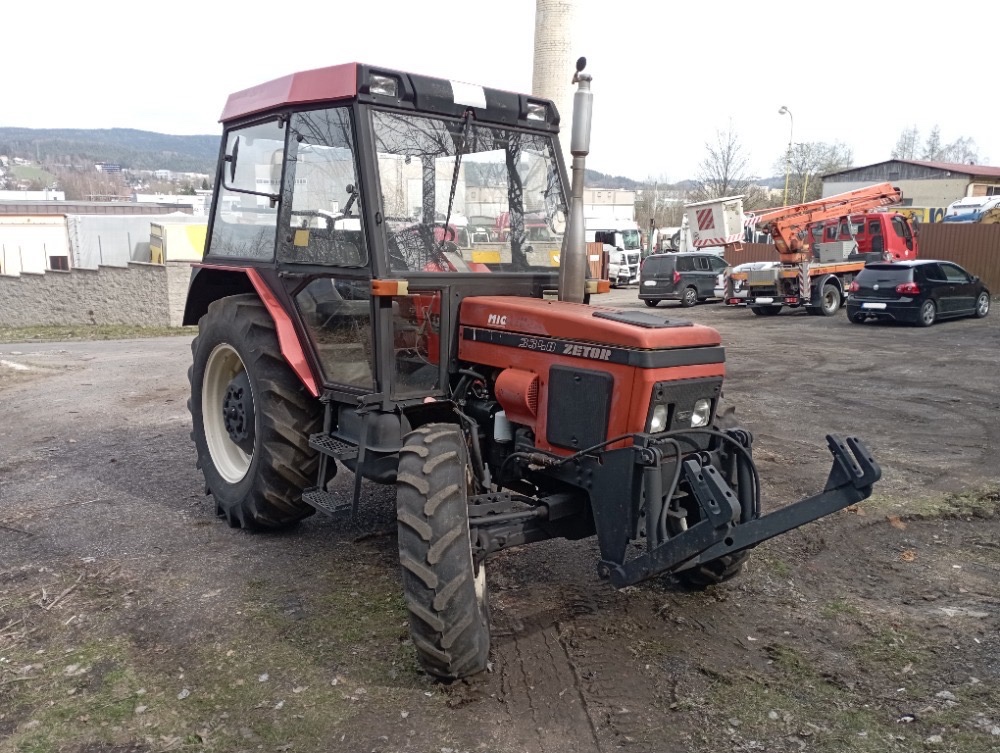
788,157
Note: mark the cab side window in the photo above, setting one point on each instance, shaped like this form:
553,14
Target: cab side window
245,218
324,222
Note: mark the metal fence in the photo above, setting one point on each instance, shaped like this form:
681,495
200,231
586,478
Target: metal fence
974,247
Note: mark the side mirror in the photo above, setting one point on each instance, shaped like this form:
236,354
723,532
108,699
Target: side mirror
231,159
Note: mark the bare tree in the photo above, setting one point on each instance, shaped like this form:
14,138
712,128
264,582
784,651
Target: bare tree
907,145
724,172
808,164
933,149
658,203
963,150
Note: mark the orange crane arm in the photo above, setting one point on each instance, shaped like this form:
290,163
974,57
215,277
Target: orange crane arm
785,224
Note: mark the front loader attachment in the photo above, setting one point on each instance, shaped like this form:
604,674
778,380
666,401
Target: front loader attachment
725,525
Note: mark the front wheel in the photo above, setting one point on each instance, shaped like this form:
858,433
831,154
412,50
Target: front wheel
928,313
689,298
651,302
445,592
251,417
982,305
713,572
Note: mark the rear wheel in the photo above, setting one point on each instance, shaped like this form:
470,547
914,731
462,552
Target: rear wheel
766,310
251,417
444,591
982,305
857,318
689,298
928,313
651,302
829,302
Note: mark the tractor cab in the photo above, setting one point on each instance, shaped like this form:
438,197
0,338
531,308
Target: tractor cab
332,178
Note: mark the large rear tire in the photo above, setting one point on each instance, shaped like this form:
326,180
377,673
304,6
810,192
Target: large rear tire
251,417
445,594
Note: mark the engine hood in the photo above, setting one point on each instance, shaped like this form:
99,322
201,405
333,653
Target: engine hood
601,325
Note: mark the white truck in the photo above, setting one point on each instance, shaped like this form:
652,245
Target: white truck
625,254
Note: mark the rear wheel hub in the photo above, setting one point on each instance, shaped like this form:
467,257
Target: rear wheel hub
238,412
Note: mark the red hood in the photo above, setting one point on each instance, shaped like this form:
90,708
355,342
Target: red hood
580,322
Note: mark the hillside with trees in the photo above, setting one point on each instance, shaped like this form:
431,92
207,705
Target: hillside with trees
130,148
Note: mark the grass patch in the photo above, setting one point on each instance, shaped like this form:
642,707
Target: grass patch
890,650
30,173
63,333
839,608
975,503
274,677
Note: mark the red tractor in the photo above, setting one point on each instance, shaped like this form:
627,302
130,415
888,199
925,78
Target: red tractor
337,323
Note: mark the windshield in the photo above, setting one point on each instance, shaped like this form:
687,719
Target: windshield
459,196
630,240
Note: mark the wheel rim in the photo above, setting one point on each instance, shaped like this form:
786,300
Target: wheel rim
927,313
984,305
690,297
830,301
230,460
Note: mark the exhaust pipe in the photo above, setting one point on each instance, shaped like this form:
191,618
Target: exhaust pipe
573,262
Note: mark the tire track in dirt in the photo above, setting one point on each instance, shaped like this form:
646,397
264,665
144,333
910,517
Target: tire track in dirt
571,679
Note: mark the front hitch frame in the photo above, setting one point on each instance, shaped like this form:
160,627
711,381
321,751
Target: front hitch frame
852,475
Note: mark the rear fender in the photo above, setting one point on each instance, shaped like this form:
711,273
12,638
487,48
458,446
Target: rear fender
209,284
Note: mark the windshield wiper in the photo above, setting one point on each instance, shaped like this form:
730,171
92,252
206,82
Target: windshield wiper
459,150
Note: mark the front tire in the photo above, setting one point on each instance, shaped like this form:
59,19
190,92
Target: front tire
251,418
982,305
713,572
445,594
689,298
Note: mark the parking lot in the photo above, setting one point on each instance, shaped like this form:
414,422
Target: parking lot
131,619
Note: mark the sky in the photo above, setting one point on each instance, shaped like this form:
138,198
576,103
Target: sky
667,76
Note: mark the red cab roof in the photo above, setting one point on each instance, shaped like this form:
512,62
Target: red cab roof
318,85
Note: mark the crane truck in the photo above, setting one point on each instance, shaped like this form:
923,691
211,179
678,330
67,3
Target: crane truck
340,325
814,272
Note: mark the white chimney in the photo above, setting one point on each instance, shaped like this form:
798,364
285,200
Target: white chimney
555,60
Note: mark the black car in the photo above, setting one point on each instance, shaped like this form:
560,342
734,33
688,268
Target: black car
918,291
687,277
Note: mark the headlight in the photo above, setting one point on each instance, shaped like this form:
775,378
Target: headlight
384,85
659,421
701,413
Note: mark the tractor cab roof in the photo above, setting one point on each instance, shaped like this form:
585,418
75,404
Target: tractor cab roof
391,88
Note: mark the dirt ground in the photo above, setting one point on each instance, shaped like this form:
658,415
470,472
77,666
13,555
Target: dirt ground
132,620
